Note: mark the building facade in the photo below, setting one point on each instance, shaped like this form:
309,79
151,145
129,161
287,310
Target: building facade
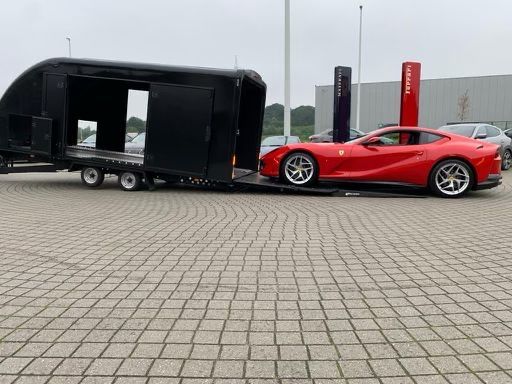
467,99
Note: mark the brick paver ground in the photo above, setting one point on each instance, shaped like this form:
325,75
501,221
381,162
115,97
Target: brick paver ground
182,286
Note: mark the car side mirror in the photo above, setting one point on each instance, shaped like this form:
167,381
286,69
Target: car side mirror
372,140
481,135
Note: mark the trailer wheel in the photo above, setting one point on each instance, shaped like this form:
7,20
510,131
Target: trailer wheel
130,181
92,177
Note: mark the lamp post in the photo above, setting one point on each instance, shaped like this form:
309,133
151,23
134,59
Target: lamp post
69,45
358,110
287,111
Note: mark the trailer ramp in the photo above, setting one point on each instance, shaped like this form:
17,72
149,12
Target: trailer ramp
250,180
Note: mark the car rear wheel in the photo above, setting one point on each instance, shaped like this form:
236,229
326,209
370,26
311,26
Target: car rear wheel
299,169
507,160
451,178
130,181
92,176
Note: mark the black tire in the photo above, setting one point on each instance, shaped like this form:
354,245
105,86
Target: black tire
92,177
130,181
461,177
506,162
290,160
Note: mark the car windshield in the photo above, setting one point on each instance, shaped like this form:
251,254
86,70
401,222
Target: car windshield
139,138
274,141
463,130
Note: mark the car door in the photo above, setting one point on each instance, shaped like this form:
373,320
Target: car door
396,158
179,129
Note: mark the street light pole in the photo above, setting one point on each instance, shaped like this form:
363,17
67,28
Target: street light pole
358,110
69,45
287,111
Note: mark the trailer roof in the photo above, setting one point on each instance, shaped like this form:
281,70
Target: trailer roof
123,65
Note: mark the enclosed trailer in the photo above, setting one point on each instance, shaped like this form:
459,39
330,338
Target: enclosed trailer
203,125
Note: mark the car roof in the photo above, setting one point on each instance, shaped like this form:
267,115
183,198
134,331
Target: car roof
405,128
382,131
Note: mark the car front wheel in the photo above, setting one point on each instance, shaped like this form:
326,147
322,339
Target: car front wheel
299,169
451,178
507,160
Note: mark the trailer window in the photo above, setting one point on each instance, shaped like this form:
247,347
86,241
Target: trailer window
87,132
137,111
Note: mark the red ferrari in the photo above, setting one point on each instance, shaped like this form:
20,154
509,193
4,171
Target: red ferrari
450,165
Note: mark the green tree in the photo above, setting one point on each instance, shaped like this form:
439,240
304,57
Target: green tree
303,120
274,114
135,125
303,115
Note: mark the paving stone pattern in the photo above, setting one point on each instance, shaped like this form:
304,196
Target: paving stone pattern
186,286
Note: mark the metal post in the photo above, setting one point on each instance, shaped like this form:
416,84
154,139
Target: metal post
236,61
358,110
287,111
69,45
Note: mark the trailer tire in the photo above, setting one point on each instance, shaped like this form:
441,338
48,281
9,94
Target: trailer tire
92,177
130,181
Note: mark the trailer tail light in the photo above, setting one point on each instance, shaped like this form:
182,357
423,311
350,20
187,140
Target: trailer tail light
234,160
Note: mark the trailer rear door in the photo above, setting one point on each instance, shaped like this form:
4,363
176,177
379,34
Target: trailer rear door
178,132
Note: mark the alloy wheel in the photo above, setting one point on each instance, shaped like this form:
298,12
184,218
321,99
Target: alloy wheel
507,160
299,169
453,179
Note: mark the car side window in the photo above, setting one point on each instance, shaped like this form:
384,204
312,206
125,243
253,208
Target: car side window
492,131
481,130
399,138
427,138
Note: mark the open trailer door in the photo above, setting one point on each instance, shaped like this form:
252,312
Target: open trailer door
179,129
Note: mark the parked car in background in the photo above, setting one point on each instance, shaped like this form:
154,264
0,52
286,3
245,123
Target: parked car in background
488,133
450,165
272,142
137,145
90,141
508,132
326,136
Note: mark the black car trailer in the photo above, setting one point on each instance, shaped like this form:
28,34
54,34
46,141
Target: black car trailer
203,127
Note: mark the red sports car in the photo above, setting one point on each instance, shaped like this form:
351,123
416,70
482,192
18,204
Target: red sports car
450,165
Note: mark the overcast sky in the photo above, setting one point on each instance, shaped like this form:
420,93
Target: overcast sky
451,38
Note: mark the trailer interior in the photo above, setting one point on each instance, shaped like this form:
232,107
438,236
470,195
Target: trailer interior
103,102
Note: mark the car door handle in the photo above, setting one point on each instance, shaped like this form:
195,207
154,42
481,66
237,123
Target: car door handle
419,153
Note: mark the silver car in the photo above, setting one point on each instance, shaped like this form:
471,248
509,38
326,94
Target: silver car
272,142
488,133
137,145
326,136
